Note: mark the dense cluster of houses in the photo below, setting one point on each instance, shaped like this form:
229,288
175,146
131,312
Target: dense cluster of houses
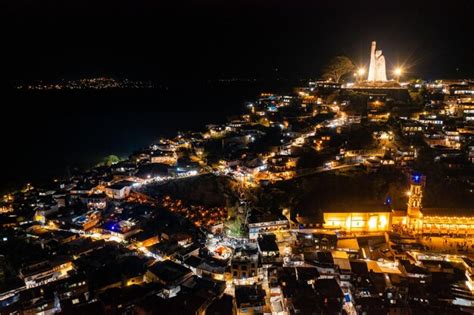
100,242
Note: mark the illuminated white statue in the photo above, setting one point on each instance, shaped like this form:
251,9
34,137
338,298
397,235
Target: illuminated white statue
377,65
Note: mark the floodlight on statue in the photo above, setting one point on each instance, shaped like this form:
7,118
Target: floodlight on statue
398,71
361,71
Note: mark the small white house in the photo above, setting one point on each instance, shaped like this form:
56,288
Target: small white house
119,190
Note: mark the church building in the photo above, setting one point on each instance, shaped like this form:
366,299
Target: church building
359,219
434,221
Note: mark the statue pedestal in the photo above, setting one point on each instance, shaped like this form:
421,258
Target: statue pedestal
378,84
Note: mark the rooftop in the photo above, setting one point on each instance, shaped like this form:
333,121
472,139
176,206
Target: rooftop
448,212
267,243
169,271
120,185
249,296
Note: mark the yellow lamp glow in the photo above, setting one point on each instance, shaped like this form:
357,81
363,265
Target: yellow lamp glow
373,223
398,72
348,222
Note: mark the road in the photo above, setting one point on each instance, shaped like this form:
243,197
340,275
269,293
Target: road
322,169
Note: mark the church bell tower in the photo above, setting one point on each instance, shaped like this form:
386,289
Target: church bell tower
415,195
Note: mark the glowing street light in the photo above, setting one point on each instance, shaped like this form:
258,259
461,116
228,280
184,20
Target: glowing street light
398,72
359,73
356,79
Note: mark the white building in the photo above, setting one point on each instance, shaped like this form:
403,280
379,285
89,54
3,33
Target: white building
119,190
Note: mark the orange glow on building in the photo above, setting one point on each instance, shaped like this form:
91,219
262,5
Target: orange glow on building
357,221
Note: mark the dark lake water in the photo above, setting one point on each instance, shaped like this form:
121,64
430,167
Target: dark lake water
49,132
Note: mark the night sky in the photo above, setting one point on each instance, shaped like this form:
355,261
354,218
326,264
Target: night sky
176,40
184,44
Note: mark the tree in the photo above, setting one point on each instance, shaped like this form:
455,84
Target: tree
337,67
109,160
417,96
235,227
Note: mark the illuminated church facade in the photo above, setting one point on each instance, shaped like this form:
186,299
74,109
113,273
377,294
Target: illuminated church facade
435,221
416,219
358,220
